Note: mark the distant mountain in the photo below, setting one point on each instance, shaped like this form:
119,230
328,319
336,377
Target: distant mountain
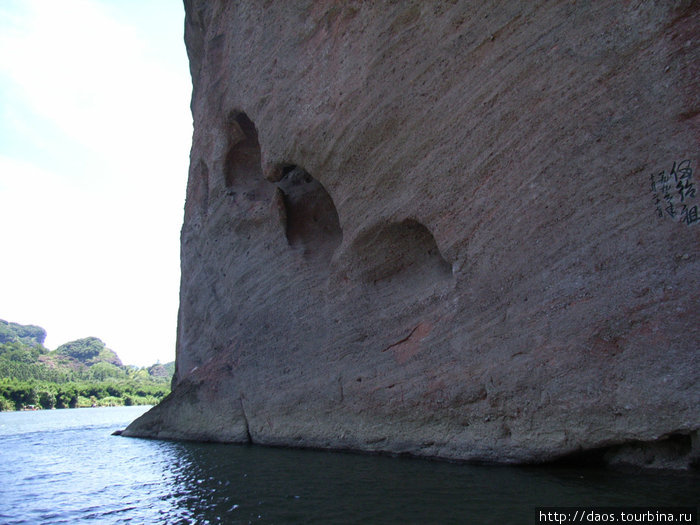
159,370
23,356
27,334
89,351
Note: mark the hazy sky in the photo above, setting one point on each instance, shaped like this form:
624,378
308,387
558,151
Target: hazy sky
95,132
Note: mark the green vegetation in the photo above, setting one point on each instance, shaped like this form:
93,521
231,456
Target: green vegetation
28,334
80,373
89,350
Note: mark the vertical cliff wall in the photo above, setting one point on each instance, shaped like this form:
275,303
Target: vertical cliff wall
457,229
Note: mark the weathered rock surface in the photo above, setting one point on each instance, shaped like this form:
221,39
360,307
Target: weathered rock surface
442,229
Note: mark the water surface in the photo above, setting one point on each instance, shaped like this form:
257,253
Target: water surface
64,466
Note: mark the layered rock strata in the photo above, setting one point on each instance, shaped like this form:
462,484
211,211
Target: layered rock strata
464,230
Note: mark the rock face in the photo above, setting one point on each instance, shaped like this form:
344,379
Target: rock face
465,230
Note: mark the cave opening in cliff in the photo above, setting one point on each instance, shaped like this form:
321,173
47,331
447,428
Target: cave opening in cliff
242,165
403,250
199,188
312,221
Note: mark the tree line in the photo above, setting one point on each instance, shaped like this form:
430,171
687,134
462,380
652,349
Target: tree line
16,394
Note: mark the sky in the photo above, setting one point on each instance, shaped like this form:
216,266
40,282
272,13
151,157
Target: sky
95,133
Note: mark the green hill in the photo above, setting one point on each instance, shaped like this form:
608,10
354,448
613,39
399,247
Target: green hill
89,351
83,372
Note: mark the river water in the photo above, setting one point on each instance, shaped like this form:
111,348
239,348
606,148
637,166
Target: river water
64,466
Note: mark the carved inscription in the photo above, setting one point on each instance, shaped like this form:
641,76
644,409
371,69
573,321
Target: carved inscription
674,193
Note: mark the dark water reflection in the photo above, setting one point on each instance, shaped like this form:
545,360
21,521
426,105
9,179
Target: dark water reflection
251,484
64,466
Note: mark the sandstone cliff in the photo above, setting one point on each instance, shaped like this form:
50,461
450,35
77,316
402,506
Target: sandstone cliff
457,229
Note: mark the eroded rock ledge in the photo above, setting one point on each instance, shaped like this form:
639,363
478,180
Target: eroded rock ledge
464,230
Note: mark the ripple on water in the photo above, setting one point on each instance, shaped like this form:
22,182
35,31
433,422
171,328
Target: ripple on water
87,475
